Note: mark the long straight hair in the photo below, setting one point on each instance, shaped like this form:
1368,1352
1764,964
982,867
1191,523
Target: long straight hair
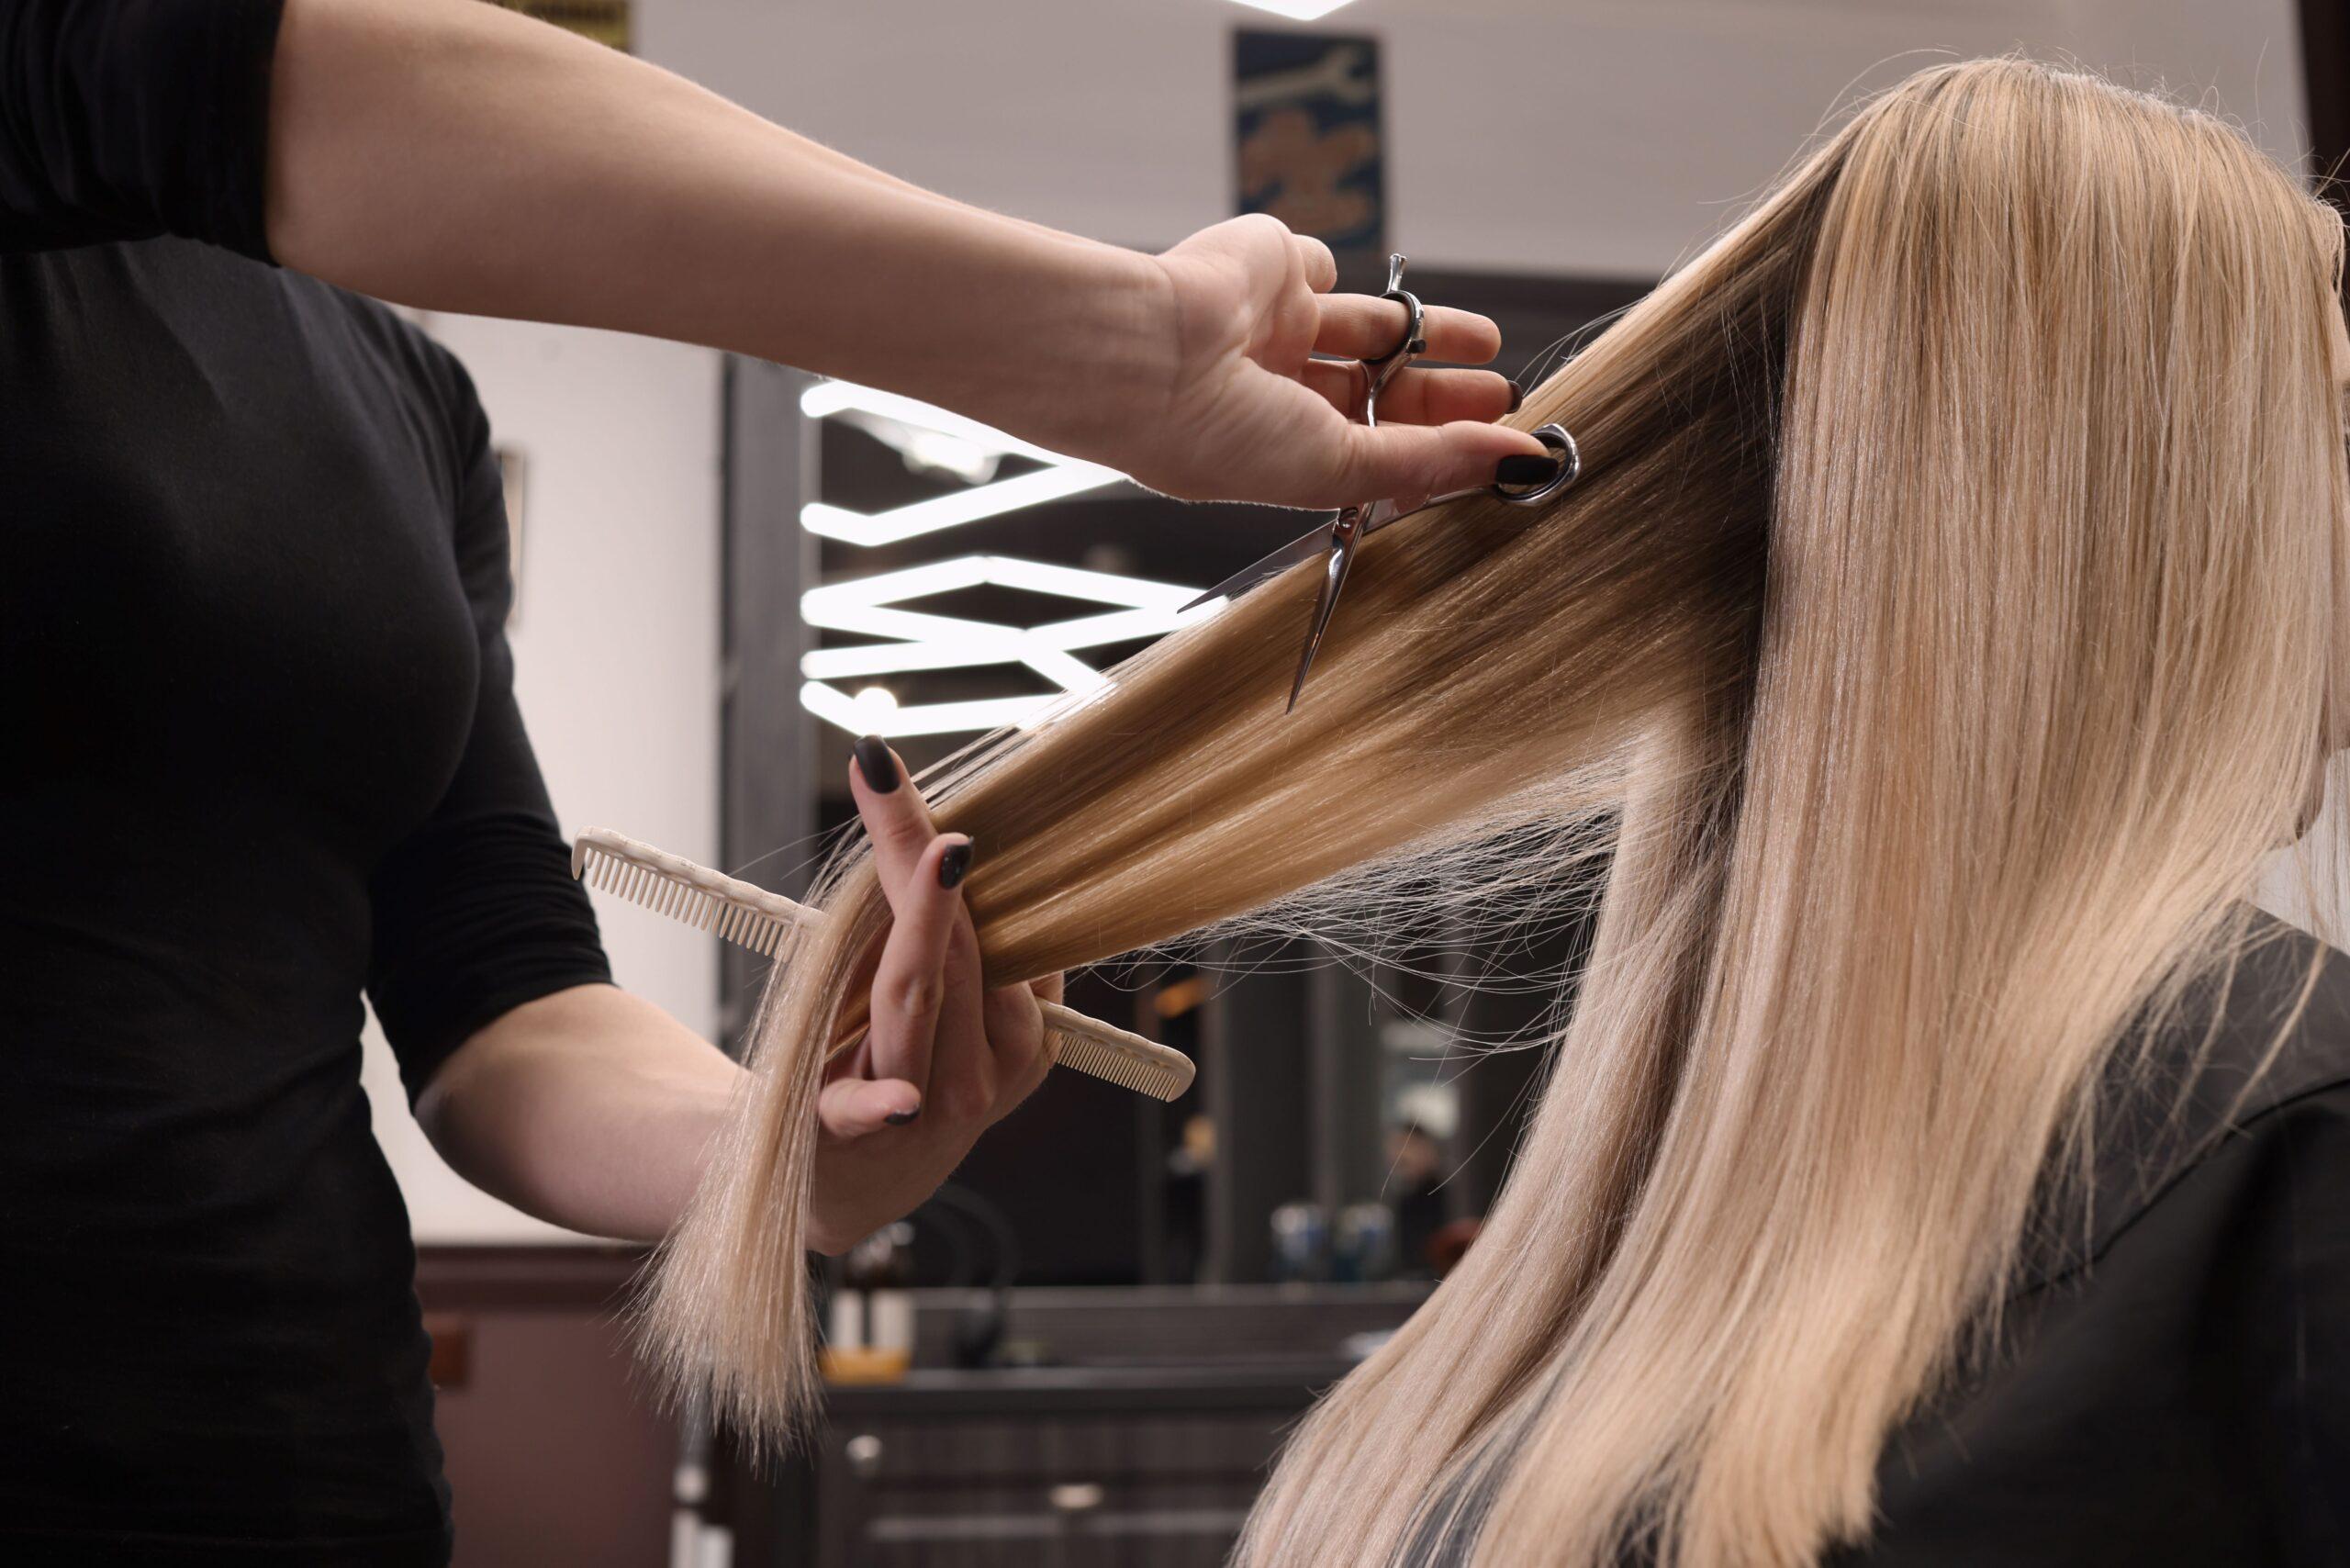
1940,632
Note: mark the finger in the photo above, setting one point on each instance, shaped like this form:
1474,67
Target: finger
856,1107
1363,325
1049,987
964,1078
1015,1027
896,818
1415,396
855,1059
910,987
1321,266
1426,460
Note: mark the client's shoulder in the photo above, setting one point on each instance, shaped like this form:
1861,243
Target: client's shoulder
2276,1022
2251,1044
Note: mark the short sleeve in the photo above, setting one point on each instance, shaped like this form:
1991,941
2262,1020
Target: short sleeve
475,911
126,119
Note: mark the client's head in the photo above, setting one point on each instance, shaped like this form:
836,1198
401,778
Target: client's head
1940,634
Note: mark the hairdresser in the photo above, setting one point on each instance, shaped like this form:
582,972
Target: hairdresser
263,749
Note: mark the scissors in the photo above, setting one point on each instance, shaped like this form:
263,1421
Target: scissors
1337,540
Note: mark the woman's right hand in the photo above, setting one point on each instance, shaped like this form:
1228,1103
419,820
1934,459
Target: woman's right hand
1249,414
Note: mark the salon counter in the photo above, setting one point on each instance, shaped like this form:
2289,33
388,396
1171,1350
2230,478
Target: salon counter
1142,1446
1081,1390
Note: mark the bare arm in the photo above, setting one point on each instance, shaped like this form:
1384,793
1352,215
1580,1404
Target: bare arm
595,1110
590,1108
455,156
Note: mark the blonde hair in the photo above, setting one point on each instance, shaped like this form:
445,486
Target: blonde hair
1940,630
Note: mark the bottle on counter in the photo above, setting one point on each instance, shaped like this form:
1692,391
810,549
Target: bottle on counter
869,1324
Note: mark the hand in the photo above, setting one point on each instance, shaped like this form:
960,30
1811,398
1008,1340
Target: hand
1252,416
942,1059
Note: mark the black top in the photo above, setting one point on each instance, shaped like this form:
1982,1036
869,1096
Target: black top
2176,1390
2173,1388
261,752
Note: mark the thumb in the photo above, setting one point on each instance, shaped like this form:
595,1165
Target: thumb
1428,459
855,1107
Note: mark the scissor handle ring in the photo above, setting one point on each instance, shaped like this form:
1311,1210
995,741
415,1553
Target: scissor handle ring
1415,341
1377,373
1556,438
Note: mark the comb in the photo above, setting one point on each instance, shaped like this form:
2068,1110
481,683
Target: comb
757,919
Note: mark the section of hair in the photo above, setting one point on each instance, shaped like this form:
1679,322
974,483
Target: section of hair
1946,614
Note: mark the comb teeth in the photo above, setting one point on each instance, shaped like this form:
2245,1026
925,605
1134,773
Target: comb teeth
1090,1056
665,892
754,918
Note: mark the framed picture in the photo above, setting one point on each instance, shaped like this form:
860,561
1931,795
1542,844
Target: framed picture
1309,144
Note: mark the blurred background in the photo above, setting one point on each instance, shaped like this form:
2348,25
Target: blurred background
1085,1350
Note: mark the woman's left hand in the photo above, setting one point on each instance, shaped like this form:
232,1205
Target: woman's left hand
944,1058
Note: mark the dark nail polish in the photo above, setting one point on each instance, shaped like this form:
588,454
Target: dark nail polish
1523,468
874,761
1516,396
900,1118
953,864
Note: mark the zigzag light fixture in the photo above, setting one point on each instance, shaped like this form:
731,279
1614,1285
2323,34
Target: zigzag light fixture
913,640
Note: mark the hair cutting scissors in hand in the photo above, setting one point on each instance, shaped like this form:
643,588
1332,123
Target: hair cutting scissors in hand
1337,540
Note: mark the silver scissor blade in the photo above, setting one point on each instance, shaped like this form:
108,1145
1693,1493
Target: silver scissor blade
1333,579
1304,547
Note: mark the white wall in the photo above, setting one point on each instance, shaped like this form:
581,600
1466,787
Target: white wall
616,643
1595,136
1600,136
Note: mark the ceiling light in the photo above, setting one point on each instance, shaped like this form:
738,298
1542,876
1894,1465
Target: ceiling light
1295,10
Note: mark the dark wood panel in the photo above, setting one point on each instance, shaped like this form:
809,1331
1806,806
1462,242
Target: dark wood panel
555,1451
580,1278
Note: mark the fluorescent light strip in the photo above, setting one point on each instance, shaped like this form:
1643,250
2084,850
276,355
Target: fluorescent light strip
1120,626
1073,673
955,507
1076,582
837,707
979,644
921,641
907,582
883,588
898,658
915,640
833,397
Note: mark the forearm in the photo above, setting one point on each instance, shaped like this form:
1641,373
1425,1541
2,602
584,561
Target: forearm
592,1109
451,155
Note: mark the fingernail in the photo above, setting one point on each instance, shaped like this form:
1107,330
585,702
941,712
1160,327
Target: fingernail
1524,468
953,864
874,761
900,1118
1516,396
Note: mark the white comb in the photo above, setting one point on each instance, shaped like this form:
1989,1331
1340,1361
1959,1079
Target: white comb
754,918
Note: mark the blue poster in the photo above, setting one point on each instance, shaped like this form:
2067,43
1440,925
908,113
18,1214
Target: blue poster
1308,137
